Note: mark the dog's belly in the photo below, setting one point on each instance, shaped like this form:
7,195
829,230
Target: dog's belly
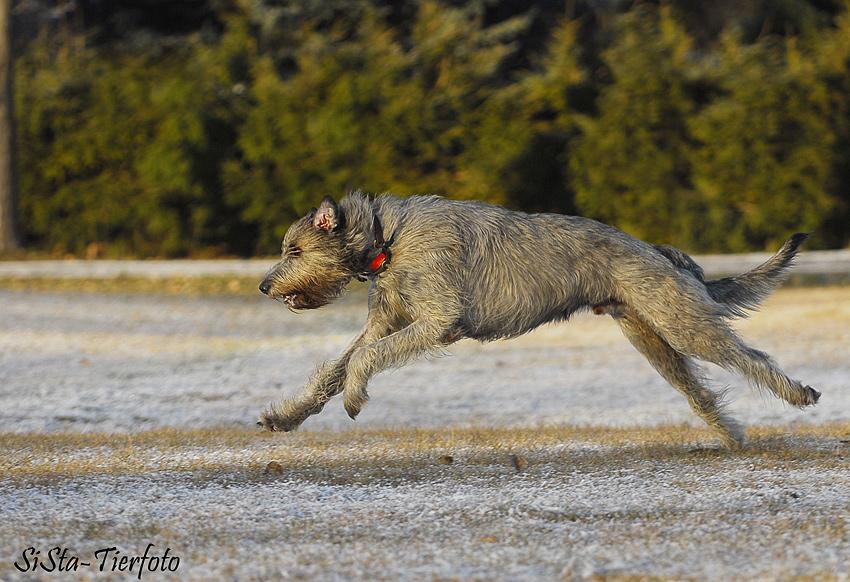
509,316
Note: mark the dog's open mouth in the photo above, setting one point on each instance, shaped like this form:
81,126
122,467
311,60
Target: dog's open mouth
296,300
289,299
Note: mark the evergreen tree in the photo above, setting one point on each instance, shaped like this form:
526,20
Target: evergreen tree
832,55
116,151
537,178
363,109
764,157
212,135
631,166
8,182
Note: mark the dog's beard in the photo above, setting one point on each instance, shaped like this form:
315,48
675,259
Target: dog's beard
301,301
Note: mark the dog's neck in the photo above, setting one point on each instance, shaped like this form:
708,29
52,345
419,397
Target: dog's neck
382,261
370,249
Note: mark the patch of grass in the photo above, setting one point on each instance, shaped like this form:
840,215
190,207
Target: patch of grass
814,293
171,285
592,503
192,286
406,455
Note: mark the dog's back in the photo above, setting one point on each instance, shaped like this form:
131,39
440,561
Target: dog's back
510,271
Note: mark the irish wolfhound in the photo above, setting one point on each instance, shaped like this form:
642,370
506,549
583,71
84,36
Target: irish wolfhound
443,270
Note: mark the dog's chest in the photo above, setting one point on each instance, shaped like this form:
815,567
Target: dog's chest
397,307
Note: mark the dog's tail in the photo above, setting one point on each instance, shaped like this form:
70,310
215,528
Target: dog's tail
743,292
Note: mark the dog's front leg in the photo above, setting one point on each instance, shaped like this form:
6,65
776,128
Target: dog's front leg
391,351
327,381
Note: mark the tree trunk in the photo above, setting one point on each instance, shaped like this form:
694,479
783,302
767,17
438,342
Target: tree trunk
9,240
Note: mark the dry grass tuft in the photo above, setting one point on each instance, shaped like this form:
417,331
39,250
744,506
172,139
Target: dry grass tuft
405,455
172,285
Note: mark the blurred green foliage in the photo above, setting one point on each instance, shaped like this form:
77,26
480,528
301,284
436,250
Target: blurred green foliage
213,143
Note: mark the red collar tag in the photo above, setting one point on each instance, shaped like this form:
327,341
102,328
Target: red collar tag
378,262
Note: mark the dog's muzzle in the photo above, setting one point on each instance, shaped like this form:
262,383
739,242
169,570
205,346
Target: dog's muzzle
288,298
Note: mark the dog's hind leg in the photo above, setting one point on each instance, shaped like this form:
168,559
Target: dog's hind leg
679,371
762,371
682,313
712,340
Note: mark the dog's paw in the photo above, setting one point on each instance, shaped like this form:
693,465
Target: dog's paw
812,395
273,423
354,401
276,419
804,396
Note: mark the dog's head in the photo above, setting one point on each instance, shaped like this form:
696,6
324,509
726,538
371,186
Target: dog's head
313,269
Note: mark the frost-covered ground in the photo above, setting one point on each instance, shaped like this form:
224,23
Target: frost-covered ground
121,364
100,362
580,511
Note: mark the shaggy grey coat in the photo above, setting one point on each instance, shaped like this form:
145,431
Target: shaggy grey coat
443,270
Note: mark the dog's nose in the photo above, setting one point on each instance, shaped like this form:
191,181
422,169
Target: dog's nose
265,287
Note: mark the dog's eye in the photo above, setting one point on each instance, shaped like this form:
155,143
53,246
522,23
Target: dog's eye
293,251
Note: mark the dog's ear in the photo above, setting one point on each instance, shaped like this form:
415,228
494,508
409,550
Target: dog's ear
327,215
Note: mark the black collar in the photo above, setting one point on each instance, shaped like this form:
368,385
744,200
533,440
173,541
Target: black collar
380,262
